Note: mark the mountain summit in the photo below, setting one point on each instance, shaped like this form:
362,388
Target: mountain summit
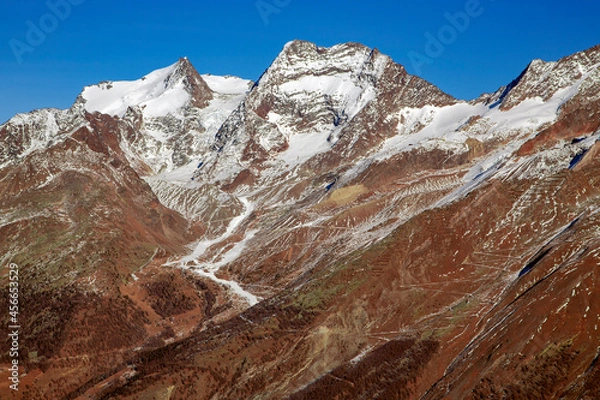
164,91
313,102
337,229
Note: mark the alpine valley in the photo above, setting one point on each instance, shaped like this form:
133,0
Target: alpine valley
339,229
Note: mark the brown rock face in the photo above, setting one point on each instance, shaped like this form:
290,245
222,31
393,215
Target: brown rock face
429,249
79,222
193,82
579,117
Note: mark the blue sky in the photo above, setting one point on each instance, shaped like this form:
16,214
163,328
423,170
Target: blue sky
94,40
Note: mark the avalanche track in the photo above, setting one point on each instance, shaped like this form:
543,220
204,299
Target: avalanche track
210,268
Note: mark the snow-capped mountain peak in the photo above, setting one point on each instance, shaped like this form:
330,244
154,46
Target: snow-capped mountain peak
544,79
174,110
308,99
161,92
336,82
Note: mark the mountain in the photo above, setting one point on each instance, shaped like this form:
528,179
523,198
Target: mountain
337,229
174,110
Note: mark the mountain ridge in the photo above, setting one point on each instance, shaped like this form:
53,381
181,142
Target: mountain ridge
275,239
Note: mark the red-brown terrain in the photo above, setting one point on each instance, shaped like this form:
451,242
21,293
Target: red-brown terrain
338,230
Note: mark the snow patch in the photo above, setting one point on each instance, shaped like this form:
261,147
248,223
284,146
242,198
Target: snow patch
151,93
303,147
227,84
209,268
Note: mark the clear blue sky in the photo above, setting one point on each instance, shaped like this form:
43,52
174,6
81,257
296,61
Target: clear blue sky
112,40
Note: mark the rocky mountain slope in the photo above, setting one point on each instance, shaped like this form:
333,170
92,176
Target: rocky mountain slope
338,229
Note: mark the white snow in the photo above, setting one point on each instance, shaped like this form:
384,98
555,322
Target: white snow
443,123
330,80
343,91
39,129
442,131
168,102
165,106
233,286
227,84
229,92
303,147
209,268
157,98
340,86
179,176
203,245
150,93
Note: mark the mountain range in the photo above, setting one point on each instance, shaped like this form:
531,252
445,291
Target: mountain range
338,229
